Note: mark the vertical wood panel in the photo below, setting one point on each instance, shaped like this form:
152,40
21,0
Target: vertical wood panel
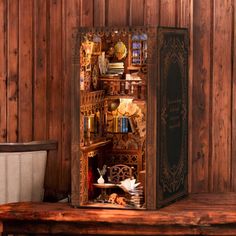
137,12
117,12
12,73
99,13
40,70
184,18
201,92
167,13
152,118
54,92
71,20
233,153
221,103
86,13
25,70
151,14
190,97
183,12
66,109
3,62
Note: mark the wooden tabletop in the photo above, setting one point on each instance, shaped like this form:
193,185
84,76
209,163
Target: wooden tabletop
198,214
105,185
29,146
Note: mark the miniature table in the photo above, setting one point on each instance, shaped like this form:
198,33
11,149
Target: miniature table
103,197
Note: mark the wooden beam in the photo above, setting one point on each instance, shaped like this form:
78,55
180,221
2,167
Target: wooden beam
190,97
25,70
168,13
221,97
117,13
12,69
30,146
40,70
54,93
136,14
86,15
99,13
3,71
70,20
183,12
152,13
233,152
201,95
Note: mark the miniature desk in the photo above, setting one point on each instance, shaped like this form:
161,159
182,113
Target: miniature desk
103,196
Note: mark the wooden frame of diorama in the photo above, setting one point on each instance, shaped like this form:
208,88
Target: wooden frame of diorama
162,44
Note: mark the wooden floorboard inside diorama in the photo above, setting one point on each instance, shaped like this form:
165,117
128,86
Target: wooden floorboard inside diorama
103,205
110,206
198,214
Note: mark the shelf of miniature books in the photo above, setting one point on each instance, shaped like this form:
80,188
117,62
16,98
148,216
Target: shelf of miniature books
93,111
123,88
128,137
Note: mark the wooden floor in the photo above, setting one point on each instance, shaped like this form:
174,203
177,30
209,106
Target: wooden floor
198,214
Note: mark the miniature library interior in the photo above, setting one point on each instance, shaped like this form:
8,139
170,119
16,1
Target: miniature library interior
116,118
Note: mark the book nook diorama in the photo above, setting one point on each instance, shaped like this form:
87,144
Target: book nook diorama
129,117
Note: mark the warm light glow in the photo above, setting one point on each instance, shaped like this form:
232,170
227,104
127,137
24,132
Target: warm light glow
126,100
89,123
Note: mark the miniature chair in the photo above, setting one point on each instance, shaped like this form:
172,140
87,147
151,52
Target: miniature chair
119,172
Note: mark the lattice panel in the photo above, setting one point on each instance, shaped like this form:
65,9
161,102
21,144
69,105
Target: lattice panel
132,158
119,173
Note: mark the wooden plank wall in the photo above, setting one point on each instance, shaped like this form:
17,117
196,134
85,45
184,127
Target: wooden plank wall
35,71
233,130
213,101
